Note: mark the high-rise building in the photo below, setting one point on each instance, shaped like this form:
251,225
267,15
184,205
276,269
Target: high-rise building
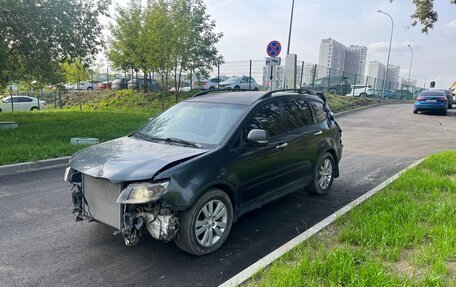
338,60
376,74
393,75
331,58
355,63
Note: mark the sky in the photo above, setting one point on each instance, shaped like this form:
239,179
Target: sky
249,25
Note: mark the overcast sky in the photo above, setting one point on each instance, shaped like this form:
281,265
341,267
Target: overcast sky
248,25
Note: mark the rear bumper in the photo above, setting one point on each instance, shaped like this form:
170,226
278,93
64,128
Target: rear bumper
430,107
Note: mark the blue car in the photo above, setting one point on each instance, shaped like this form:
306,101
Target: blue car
431,100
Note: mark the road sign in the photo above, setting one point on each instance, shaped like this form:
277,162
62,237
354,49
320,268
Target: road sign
273,61
273,49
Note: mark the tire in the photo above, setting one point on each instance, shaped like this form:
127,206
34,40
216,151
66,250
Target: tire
211,88
363,95
415,111
34,109
89,88
450,106
323,175
255,89
236,88
187,238
444,112
332,91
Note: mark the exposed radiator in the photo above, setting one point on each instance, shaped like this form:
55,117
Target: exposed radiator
101,197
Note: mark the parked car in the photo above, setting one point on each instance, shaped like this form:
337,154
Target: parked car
21,103
448,95
104,85
331,85
119,84
240,83
387,94
207,84
84,86
361,91
189,173
431,100
136,84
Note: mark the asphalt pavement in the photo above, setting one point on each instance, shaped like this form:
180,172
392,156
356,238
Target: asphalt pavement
41,245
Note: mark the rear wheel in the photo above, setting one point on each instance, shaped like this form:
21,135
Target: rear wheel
363,95
332,91
444,112
205,226
323,175
237,88
255,89
211,88
34,109
415,111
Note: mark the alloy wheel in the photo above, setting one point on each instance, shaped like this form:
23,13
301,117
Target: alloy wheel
325,174
211,223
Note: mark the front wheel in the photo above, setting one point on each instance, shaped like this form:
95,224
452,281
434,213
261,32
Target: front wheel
363,95
34,109
323,175
205,226
332,91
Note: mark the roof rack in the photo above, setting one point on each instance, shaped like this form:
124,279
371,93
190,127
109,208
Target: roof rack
220,90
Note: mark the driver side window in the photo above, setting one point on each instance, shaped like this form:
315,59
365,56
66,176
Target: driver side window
267,118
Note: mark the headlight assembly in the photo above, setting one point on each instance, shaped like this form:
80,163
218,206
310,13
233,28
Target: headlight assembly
144,192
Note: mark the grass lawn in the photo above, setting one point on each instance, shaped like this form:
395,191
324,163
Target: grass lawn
104,115
403,236
47,134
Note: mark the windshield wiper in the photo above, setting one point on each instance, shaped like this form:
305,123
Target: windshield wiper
181,141
147,138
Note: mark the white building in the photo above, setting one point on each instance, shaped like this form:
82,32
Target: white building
331,58
355,63
337,59
376,74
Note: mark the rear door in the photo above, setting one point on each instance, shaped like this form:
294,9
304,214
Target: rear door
302,138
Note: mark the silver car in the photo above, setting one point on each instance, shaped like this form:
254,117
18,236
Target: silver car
240,83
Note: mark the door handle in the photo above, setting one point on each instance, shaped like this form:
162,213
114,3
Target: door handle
281,146
318,133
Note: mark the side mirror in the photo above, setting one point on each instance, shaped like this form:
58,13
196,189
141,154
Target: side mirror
257,137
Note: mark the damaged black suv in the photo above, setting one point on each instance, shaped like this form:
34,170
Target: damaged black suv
189,173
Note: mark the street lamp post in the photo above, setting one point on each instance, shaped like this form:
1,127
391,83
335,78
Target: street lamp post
389,50
291,25
411,61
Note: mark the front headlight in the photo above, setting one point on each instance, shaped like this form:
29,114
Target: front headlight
144,192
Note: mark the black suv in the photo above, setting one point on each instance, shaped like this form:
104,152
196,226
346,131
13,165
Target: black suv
189,173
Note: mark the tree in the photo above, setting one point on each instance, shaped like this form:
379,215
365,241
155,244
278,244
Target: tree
75,72
425,14
36,35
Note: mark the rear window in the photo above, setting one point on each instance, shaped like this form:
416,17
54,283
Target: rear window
319,111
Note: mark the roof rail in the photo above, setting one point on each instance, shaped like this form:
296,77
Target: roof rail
302,91
220,90
299,91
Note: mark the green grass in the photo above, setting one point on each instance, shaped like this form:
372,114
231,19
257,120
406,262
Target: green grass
104,115
47,134
404,236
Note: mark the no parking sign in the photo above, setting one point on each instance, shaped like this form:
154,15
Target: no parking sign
273,49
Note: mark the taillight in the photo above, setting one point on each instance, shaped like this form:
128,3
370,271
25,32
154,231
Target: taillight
441,99
420,99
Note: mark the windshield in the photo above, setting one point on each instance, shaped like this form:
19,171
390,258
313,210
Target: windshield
201,123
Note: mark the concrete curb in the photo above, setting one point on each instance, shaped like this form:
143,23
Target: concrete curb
274,255
358,109
11,169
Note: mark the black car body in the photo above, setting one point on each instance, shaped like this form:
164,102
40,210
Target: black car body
270,145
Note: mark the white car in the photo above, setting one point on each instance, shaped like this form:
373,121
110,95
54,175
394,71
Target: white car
240,83
21,103
361,91
209,84
84,86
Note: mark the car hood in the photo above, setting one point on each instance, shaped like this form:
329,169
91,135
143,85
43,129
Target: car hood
129,158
